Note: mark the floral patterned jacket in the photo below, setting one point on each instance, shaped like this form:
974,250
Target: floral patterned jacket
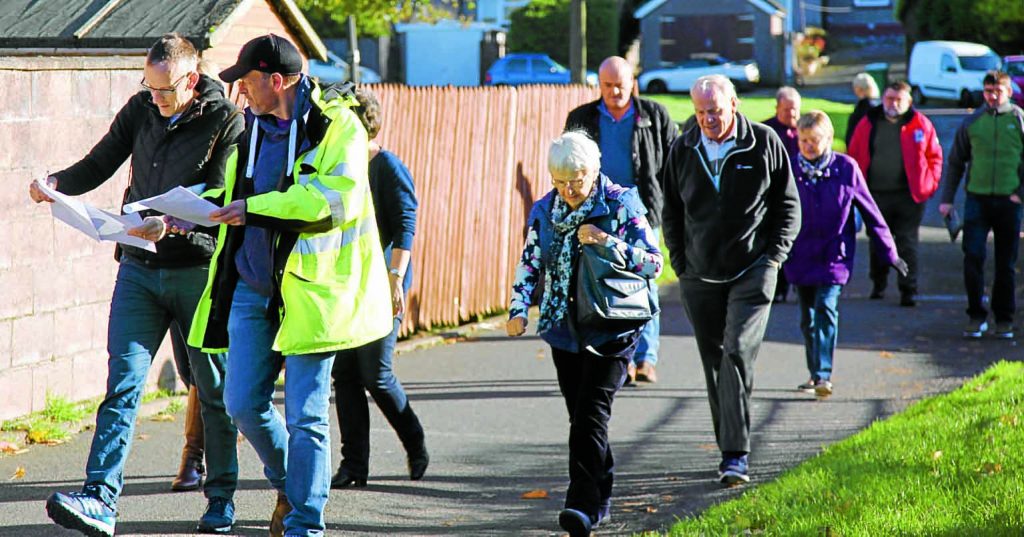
619,212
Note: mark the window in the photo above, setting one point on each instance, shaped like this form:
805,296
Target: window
871,3
948,65
518,66
980,63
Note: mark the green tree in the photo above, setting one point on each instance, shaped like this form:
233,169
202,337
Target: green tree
541,26
996,23
375,18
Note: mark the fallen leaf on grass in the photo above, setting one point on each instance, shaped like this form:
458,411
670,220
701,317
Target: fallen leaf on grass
537,494
8,448
937,455
886,354
19,473
1009,419
990,468
162,417
651,509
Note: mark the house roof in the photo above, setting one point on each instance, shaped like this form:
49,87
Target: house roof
770,7
134,24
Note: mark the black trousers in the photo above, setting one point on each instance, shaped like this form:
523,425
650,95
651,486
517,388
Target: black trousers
903,215
729,321
1002,217
588,384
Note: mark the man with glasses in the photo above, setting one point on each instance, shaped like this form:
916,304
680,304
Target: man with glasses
634,135
178,131
989,146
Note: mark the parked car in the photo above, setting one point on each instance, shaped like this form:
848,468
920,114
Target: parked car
529,68
949,70
336,69
1014,66
680,77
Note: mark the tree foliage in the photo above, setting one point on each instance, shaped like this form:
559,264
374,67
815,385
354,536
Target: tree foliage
375,18
541,26
996,23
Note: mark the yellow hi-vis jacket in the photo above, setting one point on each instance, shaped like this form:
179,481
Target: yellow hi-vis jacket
330,279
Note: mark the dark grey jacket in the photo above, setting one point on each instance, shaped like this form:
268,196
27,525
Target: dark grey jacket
192,151
653,134
716,235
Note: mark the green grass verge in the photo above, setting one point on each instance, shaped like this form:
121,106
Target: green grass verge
948,465
762,108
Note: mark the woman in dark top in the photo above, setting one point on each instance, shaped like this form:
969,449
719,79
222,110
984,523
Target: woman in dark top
369,367
866,90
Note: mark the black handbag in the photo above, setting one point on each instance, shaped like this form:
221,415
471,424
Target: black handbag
609,298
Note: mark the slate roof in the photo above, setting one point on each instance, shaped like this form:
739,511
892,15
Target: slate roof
131,24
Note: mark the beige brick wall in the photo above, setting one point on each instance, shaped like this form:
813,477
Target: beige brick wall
55,282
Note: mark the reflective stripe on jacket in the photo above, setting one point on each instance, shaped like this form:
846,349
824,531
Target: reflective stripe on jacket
332,289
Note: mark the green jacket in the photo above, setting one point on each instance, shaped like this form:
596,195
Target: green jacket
331,283
989,145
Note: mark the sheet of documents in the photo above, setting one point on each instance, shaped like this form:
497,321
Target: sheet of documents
98,224
180,203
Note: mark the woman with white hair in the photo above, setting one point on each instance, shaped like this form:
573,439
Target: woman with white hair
584,208
866,90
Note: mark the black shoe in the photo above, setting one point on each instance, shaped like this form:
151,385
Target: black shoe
343,480
418,464
577,523
218,518
877,291
907,300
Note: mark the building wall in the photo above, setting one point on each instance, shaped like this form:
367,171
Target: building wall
260,19
56,282
768,49
845,15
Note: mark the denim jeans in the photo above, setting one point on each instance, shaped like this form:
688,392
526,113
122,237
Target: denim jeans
369,368
144,303
647,346
295,451
1003,218
588,385
819,322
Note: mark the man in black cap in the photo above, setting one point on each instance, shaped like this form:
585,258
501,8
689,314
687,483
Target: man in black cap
300,273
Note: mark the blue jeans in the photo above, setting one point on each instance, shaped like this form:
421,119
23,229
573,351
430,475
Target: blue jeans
144,303
647,346
1003,218
369,368
819,322
295,450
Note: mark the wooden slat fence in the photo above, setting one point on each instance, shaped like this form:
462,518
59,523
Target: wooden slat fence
478,157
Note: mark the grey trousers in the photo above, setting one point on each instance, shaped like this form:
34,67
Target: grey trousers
729,321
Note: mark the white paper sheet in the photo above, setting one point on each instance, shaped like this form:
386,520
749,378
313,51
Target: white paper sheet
98,224
180,203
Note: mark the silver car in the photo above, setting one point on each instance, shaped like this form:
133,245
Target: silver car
336,69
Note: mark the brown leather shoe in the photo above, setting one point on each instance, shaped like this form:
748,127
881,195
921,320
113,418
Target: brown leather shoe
281,510
646,373
190,475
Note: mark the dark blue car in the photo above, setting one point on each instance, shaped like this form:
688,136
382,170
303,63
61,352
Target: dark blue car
529,68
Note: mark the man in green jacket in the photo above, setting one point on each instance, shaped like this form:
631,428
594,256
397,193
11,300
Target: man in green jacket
989,145
298,273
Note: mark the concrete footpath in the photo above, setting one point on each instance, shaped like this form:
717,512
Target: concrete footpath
497,428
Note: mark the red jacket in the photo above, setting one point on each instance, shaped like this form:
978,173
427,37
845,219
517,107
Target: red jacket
922,154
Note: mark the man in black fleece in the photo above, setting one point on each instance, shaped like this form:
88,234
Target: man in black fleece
177,131
730,217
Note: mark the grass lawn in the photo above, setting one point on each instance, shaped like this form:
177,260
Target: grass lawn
949,465
758,109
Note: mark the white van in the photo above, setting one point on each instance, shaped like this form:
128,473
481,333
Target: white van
949,70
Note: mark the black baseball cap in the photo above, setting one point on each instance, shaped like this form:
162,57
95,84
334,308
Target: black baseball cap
268,53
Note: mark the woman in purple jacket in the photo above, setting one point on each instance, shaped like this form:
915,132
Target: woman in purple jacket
830,186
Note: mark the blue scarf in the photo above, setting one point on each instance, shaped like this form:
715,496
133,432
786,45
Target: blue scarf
816,169
565,222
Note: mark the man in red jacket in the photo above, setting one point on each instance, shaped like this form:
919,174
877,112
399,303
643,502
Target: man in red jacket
899,153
